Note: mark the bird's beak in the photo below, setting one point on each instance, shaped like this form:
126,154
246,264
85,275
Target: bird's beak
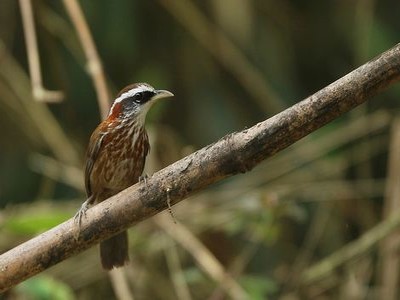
162,94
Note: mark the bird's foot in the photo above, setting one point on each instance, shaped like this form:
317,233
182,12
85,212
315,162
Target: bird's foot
143,178
80,214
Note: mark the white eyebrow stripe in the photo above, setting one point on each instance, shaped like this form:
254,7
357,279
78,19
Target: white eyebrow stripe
130,93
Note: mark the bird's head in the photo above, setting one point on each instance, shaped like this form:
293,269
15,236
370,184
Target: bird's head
135,100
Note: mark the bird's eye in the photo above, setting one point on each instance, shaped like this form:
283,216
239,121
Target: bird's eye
138,98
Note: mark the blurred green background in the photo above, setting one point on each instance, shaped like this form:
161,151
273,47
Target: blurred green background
230,64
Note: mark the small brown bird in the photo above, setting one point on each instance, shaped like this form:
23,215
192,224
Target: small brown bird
115,159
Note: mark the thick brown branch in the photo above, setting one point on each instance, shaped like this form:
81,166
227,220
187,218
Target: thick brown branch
236,153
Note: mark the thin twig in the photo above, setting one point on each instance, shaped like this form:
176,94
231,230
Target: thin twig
94,66
235,153
38,91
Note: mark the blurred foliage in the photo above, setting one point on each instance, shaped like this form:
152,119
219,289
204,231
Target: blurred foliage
266,227
34,222
43,287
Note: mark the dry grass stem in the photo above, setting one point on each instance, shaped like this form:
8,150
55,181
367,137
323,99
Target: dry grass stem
175,269
389,247
203,257
352,250
39,92
57,171
226,53
94,65
45,125
120,284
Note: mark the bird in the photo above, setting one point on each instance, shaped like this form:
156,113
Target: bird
115,159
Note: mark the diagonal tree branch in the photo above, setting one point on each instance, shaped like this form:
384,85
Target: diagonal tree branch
235,153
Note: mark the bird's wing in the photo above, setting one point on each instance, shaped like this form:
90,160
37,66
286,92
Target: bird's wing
96,141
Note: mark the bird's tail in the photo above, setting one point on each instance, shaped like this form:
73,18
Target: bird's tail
114,251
